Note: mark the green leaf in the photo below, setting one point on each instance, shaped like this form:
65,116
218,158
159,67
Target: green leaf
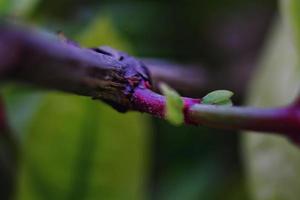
174,105
218,97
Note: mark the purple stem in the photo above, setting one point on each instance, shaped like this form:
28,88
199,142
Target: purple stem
283,121
145,100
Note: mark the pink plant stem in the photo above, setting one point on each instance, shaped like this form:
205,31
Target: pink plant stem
145,100
280,120
284,121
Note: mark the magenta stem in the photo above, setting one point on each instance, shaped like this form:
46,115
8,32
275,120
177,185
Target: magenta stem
280,120
285,120
145,100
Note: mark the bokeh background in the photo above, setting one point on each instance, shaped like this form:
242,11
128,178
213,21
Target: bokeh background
73,148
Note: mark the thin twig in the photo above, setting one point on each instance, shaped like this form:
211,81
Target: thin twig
284,120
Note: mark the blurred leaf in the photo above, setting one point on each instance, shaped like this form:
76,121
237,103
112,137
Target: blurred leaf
218,97
23,101
174,105
272,162
198,182
4,6
76,148
17,8
291,8
102,32
23,8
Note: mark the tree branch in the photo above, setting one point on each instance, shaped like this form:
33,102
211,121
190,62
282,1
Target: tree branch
121,81
45,61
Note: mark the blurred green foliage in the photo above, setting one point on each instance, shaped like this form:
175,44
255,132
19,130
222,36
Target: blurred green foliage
291,9
75,148
17,8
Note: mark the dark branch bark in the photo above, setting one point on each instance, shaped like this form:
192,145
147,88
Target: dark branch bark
45,61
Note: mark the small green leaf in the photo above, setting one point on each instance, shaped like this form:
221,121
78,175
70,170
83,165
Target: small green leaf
218,97
174,105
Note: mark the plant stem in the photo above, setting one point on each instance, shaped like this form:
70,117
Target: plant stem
122,81
284,120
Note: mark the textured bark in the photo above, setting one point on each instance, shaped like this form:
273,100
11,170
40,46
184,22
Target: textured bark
43,60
